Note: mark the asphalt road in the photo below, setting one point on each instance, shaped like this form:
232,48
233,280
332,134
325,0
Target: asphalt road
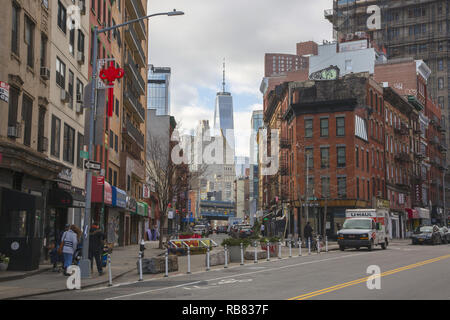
407,272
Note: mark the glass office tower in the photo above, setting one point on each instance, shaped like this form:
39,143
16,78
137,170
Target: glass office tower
159,90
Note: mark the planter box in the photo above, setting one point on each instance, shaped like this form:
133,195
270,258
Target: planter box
235,253
3,266
158,265
273,248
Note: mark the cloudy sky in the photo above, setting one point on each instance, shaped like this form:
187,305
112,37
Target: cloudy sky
241,32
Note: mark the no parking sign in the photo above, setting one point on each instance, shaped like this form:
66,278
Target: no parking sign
4,91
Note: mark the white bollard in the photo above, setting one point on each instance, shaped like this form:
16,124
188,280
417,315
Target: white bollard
242,254
290,248
167,263
326,243
318,244
309,246
140,266
207,259
279,249
268,251
256,254
109,271
226,257
189,259
299,247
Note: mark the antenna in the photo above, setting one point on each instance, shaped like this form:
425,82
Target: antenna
223,83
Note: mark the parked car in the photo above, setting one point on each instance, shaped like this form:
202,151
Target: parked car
241,231
427,234
222,229
201,229
445,234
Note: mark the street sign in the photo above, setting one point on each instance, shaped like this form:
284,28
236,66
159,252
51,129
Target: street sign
92,165
84,154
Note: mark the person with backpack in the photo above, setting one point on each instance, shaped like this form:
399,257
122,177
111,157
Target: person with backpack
68,246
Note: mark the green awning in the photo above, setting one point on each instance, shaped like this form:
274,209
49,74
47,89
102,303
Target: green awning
142,209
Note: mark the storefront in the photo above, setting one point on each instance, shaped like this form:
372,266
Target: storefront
142,212
101,201
131,222
417,217
115,222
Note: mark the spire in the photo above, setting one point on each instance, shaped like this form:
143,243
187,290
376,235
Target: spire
223,83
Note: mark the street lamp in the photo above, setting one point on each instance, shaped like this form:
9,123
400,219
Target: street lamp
85,263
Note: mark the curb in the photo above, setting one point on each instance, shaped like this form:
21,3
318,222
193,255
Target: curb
23,276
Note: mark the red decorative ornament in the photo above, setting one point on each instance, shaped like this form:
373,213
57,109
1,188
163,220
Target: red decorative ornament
110,75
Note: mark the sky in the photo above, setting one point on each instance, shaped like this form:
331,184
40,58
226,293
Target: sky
241,32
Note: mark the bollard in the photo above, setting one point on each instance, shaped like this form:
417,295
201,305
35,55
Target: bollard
279,249
140,266
226,257
318,244
290,248
326,243
109,271
309,246
242,254
189,259
256,254
167,263
268,251
207,258
299,247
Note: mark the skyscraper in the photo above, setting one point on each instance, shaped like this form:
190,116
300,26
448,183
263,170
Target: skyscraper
159,90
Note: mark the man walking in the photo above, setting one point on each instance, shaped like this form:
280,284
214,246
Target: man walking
96,243
262,230
308,231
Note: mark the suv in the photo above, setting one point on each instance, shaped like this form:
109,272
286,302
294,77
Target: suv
201,229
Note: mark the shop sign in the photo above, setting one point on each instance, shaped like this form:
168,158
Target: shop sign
382,204
170,214
145,191
4,91
418,193
131,204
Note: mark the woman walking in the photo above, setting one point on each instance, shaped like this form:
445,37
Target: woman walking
69,245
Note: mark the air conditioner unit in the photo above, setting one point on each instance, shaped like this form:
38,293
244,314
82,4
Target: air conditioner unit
45,73
14,131
78,108
64,96
79,98
80,57
82,7
379,194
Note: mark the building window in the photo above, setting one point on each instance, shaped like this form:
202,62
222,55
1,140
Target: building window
69,144
62,17
341,157
342,187
15,30
60,73
116,144
324,127
324,157
44,41
357,188
81,41
441,83
27,116
80,146
80,91
115,175
357,156
29,41
325,187
340,126
71,88
56,136
308,128
309,158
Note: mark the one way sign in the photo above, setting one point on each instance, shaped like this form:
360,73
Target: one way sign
92,165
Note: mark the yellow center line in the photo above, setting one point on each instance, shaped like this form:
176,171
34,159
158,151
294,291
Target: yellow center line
361,280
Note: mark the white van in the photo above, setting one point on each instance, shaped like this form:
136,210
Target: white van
364,228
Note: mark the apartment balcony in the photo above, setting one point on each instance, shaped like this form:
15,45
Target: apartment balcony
402,131
130,131
136,10
135,45
133,73
403,157
419,156
133,103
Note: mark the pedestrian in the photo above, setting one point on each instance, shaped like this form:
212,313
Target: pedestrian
308,231
263,230
149,234
96,243
68,244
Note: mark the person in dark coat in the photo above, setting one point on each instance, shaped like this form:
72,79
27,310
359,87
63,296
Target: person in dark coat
96,243
308,231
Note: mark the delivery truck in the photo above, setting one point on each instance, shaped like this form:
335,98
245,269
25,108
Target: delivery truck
364,228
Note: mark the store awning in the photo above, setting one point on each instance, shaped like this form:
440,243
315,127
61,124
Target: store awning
412,214
119,198
97,188
64,198
142,209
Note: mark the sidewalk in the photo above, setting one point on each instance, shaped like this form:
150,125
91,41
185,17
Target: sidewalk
15,285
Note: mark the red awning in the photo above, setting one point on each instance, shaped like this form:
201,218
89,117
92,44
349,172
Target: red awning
413,214
97,186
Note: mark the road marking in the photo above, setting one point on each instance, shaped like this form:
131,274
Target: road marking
361,280
231,276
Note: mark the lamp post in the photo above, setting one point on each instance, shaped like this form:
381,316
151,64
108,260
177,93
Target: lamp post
85,263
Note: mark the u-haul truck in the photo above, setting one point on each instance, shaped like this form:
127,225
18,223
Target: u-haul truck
364,228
